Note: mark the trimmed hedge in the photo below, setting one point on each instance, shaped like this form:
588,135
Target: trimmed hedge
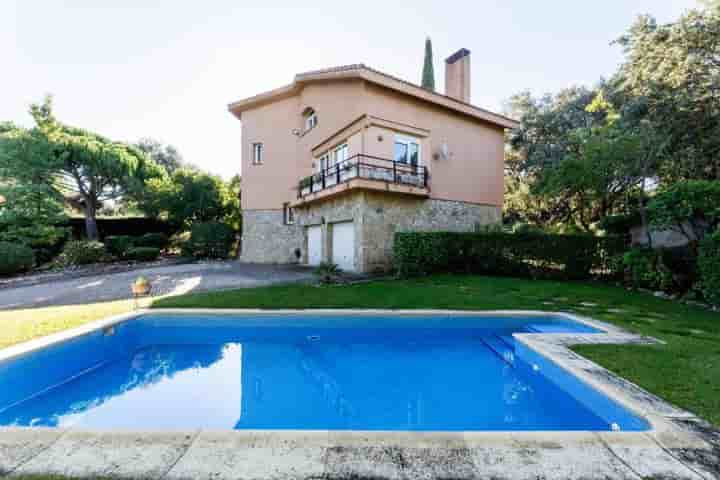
143,254
154,240
15,258
209,240
529,254
709,267
119,245
121,226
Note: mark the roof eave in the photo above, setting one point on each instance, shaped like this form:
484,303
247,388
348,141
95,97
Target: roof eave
373,76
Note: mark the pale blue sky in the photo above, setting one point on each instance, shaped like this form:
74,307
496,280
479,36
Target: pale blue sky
168,69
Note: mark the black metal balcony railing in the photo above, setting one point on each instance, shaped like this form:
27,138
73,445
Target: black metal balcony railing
366,167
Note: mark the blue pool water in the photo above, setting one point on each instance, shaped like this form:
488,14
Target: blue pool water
157,372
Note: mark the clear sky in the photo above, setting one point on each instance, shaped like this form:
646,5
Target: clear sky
168,68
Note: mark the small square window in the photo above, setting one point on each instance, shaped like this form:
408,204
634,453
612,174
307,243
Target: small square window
311,121
288,214
257,149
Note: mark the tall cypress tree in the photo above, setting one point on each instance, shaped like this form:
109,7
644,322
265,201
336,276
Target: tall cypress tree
428,73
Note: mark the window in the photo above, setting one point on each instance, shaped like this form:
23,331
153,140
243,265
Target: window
341,153
257,149
323,163
333,157
407,151
311,121
288,214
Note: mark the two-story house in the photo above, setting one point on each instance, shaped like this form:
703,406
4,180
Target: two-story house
339,160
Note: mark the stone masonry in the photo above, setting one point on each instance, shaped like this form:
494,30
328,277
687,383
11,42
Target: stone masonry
267,239
377,216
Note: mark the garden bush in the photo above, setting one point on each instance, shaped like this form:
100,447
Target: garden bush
143,254
155,240
80,252
209,240
529,254
120,226
120,244
15,258
709,268
668,269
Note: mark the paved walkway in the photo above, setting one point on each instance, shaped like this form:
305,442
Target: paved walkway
173,280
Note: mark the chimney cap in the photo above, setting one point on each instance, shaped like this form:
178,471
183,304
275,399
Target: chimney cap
463,52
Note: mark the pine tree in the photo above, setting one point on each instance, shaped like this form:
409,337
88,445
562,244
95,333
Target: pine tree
428,74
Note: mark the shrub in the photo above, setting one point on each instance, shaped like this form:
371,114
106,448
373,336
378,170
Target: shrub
709,268
209,240
327,272
530,254
667,269
143,254
695,202
79,252
15,258
120,226
645,269
120,244
155,240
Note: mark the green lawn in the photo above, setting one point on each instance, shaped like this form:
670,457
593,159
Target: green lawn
20,325
685,371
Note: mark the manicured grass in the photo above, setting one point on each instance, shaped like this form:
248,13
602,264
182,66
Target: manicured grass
684,371
21,325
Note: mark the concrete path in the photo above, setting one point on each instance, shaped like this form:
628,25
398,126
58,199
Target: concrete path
167,280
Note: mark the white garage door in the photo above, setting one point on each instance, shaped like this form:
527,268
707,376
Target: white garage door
343,245
314,245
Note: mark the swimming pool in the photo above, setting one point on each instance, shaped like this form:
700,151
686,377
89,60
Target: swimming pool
306,372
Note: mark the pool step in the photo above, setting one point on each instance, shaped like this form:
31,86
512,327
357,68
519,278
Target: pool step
502,345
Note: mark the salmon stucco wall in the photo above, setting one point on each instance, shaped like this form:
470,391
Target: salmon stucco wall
288,157
473,171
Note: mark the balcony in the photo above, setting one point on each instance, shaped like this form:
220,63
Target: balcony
364,171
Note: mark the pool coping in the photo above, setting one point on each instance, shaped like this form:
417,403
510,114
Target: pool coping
678,442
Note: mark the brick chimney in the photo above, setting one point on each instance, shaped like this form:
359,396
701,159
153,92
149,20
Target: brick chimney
457,75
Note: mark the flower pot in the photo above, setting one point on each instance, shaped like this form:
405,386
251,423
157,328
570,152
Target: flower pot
139,289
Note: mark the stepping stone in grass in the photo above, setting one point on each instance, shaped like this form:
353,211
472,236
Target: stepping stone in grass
616,310
588,304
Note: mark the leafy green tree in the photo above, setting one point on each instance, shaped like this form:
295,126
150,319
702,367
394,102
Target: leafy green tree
32,209
690,207
187,196
673,72
428,73
233,215
547,123
553,128
83,164
166,156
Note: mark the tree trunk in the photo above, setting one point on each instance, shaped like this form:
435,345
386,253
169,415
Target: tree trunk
91,230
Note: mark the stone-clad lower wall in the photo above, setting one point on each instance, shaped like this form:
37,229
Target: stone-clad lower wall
377,216
266,239
383,215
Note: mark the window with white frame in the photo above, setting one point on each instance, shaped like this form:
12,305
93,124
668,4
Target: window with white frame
257,153
288,214
311,120
332,157
407,150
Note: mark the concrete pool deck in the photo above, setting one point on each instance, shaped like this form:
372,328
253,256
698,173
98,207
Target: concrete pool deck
678,445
